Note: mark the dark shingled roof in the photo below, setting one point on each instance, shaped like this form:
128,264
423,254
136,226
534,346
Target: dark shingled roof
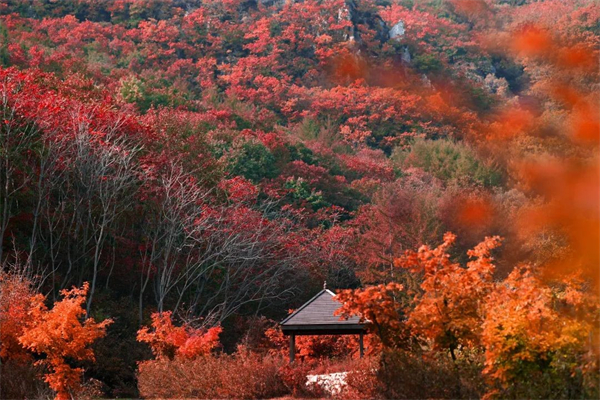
316,316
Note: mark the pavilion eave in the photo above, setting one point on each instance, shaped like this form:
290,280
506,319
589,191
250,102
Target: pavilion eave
323,329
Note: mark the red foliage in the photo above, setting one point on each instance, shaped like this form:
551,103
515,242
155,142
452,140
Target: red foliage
239,189
244,374
16,300
330,95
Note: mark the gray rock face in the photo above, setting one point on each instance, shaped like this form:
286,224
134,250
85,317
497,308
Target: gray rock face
397,30
406,55
426,81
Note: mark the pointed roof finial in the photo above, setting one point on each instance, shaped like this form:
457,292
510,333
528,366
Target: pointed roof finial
324,285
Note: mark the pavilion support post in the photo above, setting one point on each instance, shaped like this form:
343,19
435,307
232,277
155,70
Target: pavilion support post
292,347
361,345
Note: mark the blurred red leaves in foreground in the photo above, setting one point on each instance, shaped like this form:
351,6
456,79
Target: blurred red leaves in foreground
538,43
474,213
569,185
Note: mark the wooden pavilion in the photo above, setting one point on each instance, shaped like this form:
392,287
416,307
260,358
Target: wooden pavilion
316,317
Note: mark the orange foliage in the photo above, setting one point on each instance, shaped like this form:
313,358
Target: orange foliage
530,327
168,340
60,336
348,67
449,312
533,41
377,306
537,42
510,123
573,190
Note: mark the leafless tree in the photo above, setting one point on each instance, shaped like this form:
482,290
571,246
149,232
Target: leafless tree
16,138
176,206
87,179
250,269
199,257
105,181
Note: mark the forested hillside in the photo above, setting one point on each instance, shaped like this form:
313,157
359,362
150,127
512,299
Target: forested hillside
177,175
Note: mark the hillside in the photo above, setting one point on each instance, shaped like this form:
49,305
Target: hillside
219,160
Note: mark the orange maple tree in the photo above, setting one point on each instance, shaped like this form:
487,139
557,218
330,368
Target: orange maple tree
377,307
449,311
535,330
167,340
60,336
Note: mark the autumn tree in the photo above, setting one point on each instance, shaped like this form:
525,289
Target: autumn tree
378,307
17,137
168,341
540,340
401,216
211,258
59,335
449,310
102,182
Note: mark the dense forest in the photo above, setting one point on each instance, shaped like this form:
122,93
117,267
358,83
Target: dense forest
176,176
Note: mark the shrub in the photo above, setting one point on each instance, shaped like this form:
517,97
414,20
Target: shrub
294,376
362,381
410,375
242,375
21,381
248,375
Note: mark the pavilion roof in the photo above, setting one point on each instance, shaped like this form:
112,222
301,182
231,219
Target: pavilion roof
316,316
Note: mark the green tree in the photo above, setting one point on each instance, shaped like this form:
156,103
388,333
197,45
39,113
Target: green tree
253,161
